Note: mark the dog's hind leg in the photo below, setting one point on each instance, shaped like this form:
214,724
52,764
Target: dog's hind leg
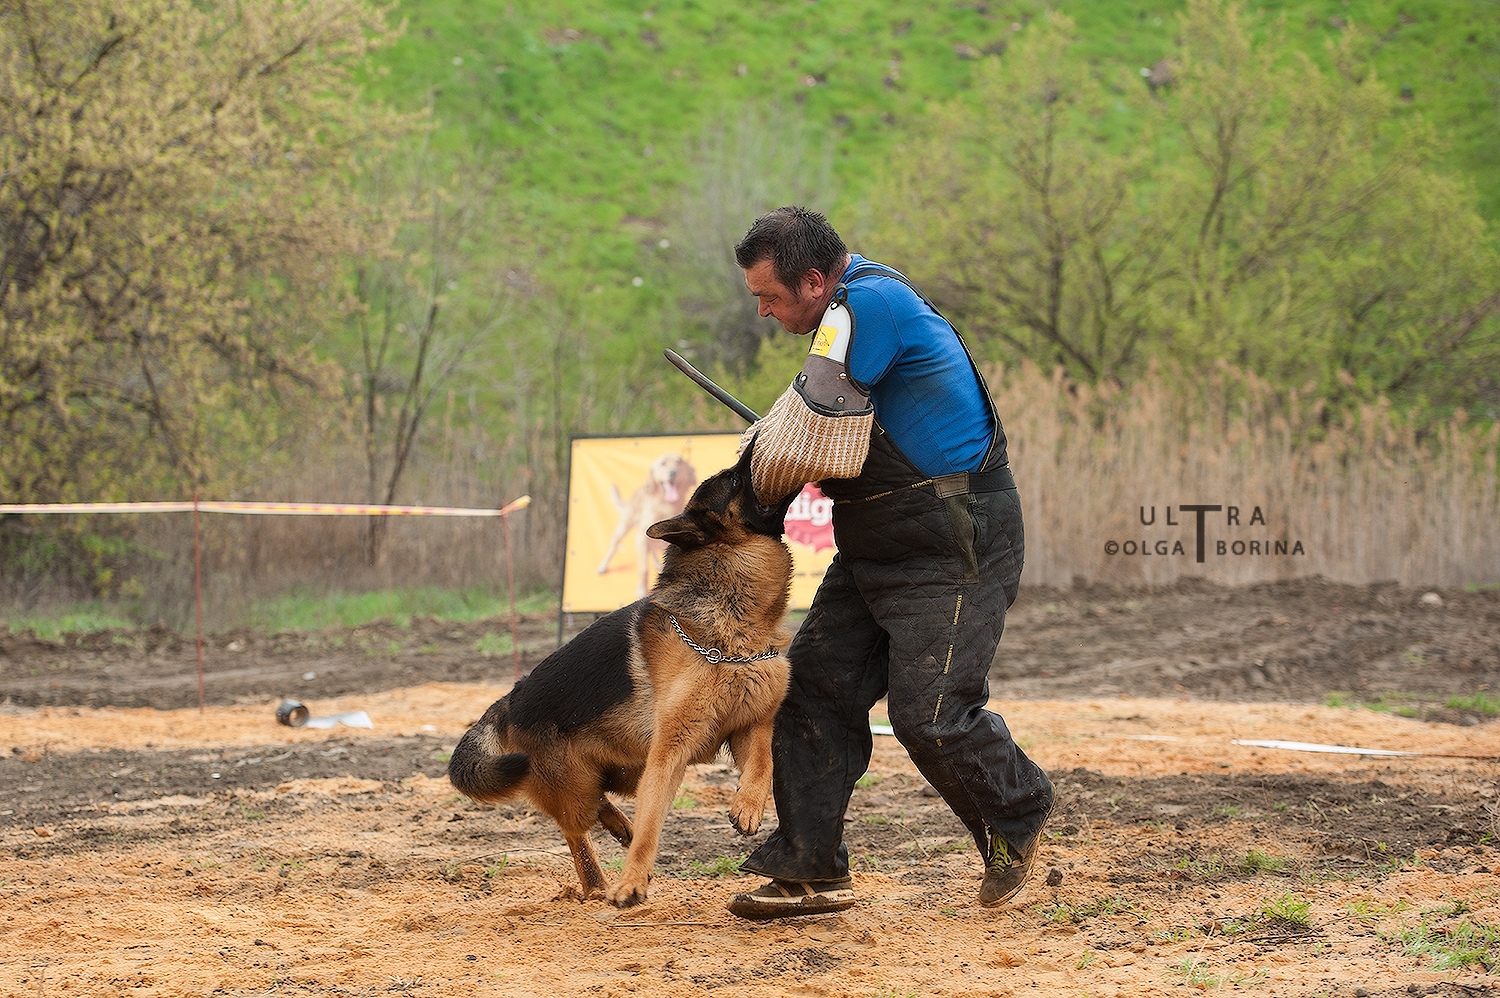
586,862
575,808
615,822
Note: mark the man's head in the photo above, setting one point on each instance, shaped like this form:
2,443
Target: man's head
792,260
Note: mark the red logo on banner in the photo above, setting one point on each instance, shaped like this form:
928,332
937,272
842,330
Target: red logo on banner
809,520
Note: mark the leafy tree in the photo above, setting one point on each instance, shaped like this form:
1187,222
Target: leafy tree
1317,239
746,163
172,183
425,307
1252,208
1016,214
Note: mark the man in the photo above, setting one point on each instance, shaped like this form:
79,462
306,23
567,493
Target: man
929,559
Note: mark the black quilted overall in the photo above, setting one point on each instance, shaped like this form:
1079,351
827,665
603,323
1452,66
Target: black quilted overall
912,606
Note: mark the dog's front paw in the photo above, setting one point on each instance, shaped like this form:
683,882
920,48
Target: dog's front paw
626,895
746,812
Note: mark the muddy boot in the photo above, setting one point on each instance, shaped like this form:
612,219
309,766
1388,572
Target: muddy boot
788,898
1006,868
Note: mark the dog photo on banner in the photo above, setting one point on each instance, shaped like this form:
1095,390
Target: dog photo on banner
619,486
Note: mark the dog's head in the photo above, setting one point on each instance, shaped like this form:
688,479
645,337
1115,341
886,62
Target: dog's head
670,476
722,510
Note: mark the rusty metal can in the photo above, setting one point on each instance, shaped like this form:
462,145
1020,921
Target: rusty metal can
292,714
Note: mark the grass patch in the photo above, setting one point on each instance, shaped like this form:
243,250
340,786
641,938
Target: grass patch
719,866
1370,912
1478,703
1400,704
508,77
1463,945
1289,910
88,617
1256,861
1195,973
306,611
492,645
1064,913
1203,867
300,611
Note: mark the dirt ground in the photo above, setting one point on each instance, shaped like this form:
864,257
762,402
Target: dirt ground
150,848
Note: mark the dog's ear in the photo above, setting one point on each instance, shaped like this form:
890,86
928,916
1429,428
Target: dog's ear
684,531
744,461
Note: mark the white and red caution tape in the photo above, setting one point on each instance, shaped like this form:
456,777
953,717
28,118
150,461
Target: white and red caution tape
261,508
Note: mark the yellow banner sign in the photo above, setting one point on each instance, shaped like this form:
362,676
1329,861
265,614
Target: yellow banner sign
619,486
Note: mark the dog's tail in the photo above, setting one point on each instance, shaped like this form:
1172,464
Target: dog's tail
480,767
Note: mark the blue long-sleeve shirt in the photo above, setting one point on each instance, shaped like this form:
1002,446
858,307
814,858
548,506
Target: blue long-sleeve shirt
920,379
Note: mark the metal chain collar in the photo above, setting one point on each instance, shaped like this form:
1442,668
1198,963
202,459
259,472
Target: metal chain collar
714,655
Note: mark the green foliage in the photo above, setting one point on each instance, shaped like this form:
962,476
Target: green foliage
1260,208
202,206
1289,909
1015,207
1256,861
1195,973
1400,704
602,103
302,611
44,555
1452,947
427,306
171,178
491,644
1480,703
1205,867
719,866
1373,911
83,618
1064,912
309,612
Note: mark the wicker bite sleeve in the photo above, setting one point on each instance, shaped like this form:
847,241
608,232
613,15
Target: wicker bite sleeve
796,445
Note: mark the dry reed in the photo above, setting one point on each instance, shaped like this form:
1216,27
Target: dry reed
1358,496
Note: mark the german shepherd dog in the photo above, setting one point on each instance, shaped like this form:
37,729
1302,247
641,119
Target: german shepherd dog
635,697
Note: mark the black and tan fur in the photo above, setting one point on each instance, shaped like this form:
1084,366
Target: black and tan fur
627,705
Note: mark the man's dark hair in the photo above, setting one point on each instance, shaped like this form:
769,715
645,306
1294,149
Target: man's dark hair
795,240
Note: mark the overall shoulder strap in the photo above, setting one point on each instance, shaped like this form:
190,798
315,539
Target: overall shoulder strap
867,268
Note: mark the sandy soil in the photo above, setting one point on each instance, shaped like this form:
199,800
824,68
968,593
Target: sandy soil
152,851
